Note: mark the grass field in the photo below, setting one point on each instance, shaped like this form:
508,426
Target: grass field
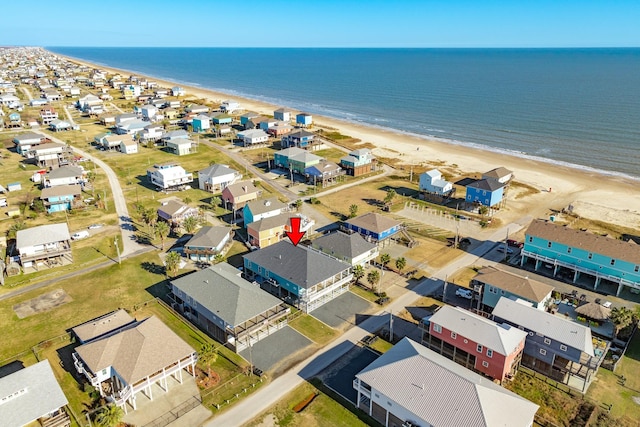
313,329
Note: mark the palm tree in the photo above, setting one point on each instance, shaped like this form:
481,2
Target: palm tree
391,194
353,211
149,216
190,224
17,226
109,416
207,355
215,201
162,230
358,273
621,317
373,277
401,263
172,263
385,259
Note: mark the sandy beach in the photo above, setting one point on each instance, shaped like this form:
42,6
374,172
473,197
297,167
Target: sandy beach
596,196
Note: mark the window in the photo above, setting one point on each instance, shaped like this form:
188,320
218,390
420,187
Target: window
563,347
590,256
543,352
568,250
636,268
530,239
547,341
454,335
613,261
479,348
489,353
485,363
548,244
437,328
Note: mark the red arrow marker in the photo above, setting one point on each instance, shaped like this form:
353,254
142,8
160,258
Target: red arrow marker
295,234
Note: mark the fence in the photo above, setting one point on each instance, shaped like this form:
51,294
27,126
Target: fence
180,410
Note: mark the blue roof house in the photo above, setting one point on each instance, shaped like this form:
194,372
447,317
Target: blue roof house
487,192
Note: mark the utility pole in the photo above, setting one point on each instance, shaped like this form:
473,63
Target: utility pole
457,229
104,192
115,242
390,326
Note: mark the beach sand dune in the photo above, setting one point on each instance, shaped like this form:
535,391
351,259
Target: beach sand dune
603,197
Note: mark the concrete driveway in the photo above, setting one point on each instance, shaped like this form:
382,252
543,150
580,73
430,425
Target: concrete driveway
339,376
269,351
341,311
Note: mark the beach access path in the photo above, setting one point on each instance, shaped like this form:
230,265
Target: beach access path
127,227
265,398
26,92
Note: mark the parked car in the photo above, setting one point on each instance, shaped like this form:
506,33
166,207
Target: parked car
94,226
80,235
514,243
502,249
464,293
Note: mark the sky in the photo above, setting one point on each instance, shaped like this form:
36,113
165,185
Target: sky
322,23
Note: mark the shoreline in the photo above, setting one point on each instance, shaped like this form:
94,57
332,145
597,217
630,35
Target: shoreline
611,197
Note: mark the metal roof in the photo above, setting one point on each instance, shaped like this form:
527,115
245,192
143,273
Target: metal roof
222,291
442,393
503,339
42,395
617,249
297,264
512,283
551,326
42,235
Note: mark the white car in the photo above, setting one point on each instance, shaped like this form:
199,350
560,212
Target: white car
464,293
606,304
80,235
94,226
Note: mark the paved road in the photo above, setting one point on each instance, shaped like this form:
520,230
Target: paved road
245,410
127,228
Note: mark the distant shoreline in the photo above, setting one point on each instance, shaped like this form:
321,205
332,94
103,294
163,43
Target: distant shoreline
570,183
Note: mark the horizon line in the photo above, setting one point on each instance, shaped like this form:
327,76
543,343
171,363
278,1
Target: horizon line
337,47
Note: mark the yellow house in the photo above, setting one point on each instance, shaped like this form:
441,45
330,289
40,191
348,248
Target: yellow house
268,231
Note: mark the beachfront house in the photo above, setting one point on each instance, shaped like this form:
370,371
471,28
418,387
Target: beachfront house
217,177
350,248
475,342
201,123
168,176
197,109
374,227
485,192
431,182
152,356
230,107
304,119
46,245
300,138
282,114
178,91
253,136
555,346
232,310
491,284
358,162
591,259
410,385
208,242
31,396
256,210
295,159
301,276
237,195
500,174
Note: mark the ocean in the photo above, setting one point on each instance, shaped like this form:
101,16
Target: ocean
578,107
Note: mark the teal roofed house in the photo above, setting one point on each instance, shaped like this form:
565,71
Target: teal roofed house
598,262
295,159
222,119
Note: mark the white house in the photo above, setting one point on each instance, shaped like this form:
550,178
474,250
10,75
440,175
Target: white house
149,112
6,100
131,126
282,115
42,244
181,146
229,106
432,182
65,175
152,132
25,141
128,146
217,177
168,176
253,136
178,91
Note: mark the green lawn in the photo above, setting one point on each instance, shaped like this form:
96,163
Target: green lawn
381,346
365,293
322,411
313,329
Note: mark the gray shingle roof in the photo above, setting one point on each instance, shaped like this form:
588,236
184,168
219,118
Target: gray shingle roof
297,264
486,184
503,339
261,206
222,291
42,235
208,237
617,249
43,395
517,285
342,245
269,223
65,172
240,188
554,327
137,352
61,190
497,173
373,222
443,393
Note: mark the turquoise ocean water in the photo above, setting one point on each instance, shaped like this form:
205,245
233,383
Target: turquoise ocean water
569,106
